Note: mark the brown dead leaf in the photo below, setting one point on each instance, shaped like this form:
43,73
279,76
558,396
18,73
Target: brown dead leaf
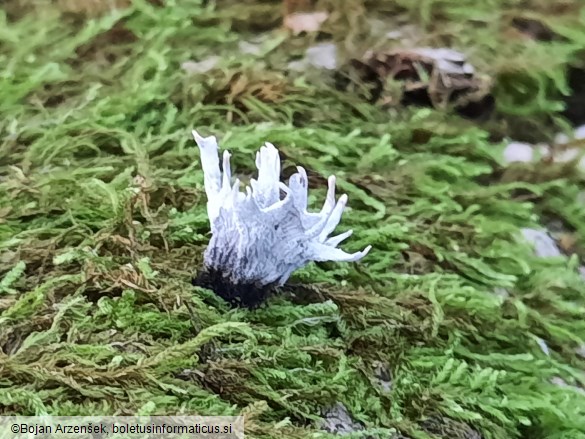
568,242
439,78
266,88
305,21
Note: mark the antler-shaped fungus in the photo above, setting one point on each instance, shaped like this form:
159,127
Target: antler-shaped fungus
259,239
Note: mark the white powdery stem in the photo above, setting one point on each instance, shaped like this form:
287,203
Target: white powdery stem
257,237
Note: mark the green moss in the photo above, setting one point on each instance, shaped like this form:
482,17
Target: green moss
103,224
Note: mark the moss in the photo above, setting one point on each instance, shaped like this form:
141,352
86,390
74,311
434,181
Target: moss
103,224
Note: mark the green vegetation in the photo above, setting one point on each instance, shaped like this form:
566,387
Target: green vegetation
103,223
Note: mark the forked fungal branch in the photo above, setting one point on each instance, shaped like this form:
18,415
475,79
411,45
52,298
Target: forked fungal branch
259,239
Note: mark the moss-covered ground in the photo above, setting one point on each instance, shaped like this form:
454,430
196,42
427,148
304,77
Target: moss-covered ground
451,327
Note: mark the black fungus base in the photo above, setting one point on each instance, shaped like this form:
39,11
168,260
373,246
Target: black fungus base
237,294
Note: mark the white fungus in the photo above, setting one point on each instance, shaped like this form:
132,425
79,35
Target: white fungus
258,237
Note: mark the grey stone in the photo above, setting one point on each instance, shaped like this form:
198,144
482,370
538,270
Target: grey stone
337,420
544,245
